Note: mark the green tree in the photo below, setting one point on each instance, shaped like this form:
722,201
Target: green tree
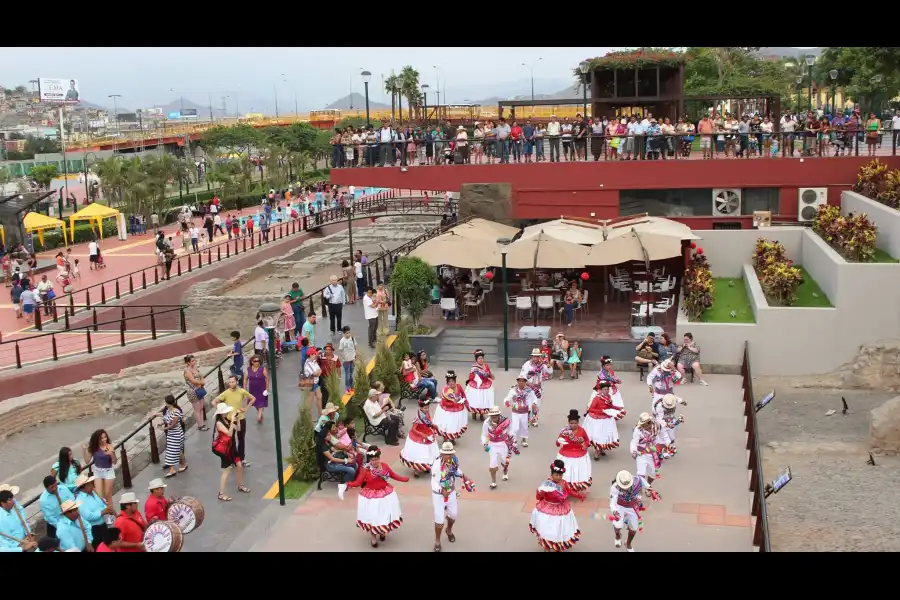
411,88
36,145
157,171
402,344
385,369
361,385
5,176
412,280
303,445
392,85
43,175
858,70
357,123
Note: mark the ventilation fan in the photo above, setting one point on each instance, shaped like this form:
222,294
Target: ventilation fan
727,203
809,201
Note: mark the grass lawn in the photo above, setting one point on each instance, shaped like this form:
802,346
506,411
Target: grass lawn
809,294
294,488
883,257
730,295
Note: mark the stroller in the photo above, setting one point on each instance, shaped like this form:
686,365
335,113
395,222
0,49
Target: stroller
101,264
66,282
450,154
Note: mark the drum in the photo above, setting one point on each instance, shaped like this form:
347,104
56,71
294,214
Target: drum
187,513
163,536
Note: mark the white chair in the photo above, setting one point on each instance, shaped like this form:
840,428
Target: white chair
639,312
523,303
448,304
476,304
584,303
546,303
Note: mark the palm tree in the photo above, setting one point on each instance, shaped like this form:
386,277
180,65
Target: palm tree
409,87
392,85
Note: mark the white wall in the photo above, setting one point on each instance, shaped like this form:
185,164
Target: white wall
886,218
728,250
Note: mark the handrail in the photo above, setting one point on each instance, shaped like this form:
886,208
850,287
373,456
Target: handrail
757,482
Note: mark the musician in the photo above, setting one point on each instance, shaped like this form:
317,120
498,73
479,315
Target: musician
48,544
499,442
51,500
12,524
521,400
131,524
534,371
157,506
92,507
111,540
71,531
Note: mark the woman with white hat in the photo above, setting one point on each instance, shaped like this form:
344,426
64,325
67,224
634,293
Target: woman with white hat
480,387
444,473
643,449
625,506
450,417
522,401
553,520
600,420
378,510
534,371
662,379
499,442
225,447
421,449
573,443
664,411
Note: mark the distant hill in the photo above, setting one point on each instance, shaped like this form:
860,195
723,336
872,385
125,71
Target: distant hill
355,101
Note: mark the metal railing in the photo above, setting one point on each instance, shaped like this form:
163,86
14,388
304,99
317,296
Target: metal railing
717,145
757,482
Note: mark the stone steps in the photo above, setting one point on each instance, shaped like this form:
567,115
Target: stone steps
456,344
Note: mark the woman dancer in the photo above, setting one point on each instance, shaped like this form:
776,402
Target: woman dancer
450,417
607,373
499,442
480,387
573,443
378,510
420,449
600,420
553,520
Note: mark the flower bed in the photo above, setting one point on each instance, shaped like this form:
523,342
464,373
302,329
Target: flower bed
777,274
879,183
732,304
698,287
853,236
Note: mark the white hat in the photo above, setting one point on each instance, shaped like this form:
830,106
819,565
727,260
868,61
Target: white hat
156,483
447,448
495,410
69,505
83,479
667,364
624,480
372,392
460,128
536,352
669,401
330,409
9,488
644,418
128,498
223,409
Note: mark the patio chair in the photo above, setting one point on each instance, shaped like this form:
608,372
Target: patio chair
448,304
546,303
582,307
523,303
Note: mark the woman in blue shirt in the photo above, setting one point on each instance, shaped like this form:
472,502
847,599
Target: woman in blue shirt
667,348
66,469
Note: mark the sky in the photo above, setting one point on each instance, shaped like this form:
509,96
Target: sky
251,77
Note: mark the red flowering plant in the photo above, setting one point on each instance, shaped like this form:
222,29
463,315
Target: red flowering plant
777,274
636,59
699,291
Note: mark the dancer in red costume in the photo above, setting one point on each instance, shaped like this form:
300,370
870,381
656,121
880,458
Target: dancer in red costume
607,373
421,449
450,417
573,443
600,420
378,511
552,520
480,387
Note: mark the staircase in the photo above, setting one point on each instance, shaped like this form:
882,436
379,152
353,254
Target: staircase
456,345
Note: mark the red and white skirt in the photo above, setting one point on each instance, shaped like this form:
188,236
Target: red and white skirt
603,433
480,401
578,471
379,515
419,457
555,532
451,425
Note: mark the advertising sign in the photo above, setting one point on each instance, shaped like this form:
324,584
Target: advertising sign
155,113
174,115
59,91
127,117
189,113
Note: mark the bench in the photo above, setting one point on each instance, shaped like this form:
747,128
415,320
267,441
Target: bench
372,429
407,392
325,475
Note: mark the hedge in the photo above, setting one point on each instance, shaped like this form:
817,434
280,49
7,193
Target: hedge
83,233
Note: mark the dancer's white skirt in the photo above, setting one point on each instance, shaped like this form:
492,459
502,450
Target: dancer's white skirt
557,533
578,471
480,401
603,433
617,400
419,457
451,425
379,515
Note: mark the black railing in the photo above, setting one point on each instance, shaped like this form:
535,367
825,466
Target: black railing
757,482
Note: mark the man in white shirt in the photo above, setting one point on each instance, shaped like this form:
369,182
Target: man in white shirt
895,127
260,341
93,254
503,131
360,279
217,224
386,136
553,133
371,315
195,237
378,414
347,355
43,288
788,127
335,296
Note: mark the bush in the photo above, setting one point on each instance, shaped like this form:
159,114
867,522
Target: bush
303,446
361,385
385,370
877,182
83,233
334,383
777,274
402,344
852,236
698,286
411,280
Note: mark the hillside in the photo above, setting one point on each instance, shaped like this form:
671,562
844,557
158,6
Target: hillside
355,101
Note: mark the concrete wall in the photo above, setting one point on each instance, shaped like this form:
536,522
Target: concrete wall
728,251
886,218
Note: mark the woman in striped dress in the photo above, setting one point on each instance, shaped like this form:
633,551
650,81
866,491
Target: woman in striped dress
173,425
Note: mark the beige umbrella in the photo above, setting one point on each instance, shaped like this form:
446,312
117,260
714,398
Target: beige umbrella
485,230
657,225
545,252
458,251
634,245
567,230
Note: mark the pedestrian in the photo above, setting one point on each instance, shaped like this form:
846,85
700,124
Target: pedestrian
173,426
349,276
93,253
328,363
196,391
240,400
371,315
258,386
28,300
347,354
309,330
237,352
101,451
296,295
383,304
225,447
336,298
358,270
260,340
195,237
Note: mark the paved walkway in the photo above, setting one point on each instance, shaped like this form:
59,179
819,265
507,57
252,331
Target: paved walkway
705,505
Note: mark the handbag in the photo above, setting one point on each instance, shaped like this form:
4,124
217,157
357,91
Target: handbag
200,392
50,294
221,445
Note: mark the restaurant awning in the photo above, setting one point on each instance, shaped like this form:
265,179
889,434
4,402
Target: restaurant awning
545,252
634,245
486,230
458,251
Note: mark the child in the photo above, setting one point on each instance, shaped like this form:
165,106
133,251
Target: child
203,240
237,353
546,352
574,362
287,313
304,349
76,272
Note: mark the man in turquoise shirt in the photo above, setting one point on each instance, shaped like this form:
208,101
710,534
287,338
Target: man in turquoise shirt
68,529
92,507
12,524
51,500
309,329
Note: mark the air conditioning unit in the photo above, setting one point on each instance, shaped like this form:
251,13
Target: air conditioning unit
809,200
727,203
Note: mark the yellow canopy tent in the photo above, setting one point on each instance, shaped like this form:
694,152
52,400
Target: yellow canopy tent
37,222
94,213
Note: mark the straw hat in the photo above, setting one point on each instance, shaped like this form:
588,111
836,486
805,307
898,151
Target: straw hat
83,480
10,488
669,401
495,410
521,378
69,505
447,448
624,480
156,484
667,364
330,408
536,352
644,418
128,498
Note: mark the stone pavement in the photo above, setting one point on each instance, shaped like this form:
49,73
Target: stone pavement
704,507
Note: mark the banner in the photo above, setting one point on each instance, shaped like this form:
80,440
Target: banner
59,91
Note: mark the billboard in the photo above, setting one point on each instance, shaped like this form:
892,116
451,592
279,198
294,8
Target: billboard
127,117
155,113
174,115
59,91
189,113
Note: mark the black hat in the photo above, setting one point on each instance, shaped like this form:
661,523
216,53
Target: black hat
558,466
573,415
450,375
479,352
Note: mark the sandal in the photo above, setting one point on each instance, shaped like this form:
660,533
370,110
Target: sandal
244,489
183,469
437,547
224,498
450,537
171,474
204,428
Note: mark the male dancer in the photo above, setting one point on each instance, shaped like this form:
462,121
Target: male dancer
534,371
664,411
444,473
625,504
643,450
499,443
662,379
522,400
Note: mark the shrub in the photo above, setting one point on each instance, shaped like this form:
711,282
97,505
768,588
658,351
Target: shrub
385,370
334,383
411,280
698,287
777,274
83,233
361,385
877,182
852,236
303,446
402,344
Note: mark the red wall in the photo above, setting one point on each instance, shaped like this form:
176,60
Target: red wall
549,190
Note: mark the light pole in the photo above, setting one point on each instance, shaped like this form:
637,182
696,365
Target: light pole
269,313
584,67
366,77
437,79
87,183
115,98
504,242
834,75
810,61
532,66
425,104
799,80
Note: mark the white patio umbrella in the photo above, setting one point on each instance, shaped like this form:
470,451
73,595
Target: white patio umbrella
485,230
458,251
567,230
634,245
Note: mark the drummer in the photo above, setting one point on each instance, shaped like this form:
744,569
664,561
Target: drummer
157,506
131,524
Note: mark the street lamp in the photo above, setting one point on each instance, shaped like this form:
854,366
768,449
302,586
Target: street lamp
87,183
425,103
834,75
810,61
504,242
366,77
115,98
584,67
532,66
269,312
799,79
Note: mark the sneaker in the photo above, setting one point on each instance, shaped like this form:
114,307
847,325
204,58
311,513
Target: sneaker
247,463
493,486
629,549
703,382
505,477
524,443
618,543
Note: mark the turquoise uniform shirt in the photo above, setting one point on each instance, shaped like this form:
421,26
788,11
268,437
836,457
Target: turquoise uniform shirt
91,509
69,534
11,525
50,504
70,479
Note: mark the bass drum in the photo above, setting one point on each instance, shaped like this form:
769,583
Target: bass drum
163,536
187,513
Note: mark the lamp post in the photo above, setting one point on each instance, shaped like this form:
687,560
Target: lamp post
584,67
799,79
366,77
504,242
834,75
87,182
531,67
810,61
425,104
269,313
115,98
